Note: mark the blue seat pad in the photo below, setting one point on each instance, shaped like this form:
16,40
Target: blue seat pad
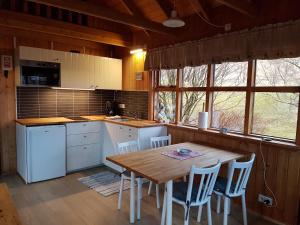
221,184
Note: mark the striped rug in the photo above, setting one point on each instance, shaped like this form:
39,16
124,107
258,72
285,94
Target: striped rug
106,183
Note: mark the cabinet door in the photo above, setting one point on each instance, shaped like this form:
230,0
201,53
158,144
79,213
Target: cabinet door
85,156
92,70
113,79
83,79
29,53
75,71
66,70
108,73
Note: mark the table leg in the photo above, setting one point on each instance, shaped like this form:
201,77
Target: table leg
169,202
132,197
163,214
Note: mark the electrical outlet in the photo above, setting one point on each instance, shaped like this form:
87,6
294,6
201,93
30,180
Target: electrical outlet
265,200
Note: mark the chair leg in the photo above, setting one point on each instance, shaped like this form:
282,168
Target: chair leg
157,196
186,215
225,218
163,214
150,187
139,197
229,206
121,192
244,209
199,214
219,204
209,220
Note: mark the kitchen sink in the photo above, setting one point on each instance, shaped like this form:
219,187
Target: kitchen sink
120,119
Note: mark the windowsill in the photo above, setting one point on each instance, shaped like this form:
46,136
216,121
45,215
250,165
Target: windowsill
257,140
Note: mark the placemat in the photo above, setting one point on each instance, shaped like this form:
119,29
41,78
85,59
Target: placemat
174,154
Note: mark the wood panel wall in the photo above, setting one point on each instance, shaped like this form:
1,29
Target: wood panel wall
131,65
7,85
283,170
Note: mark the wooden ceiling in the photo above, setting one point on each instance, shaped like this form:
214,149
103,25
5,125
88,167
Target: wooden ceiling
136,22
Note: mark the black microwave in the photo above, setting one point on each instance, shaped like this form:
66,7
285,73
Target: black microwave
37,73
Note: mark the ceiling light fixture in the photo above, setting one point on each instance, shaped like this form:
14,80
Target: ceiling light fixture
174,21
135,51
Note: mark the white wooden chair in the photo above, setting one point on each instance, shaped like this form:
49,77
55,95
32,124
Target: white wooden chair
123,148
227,188
157,142
189,194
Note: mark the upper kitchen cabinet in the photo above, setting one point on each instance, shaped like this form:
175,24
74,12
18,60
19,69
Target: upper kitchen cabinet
134,76
108,73
76,71
39,54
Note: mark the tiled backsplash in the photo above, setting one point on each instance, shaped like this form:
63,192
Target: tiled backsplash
35,102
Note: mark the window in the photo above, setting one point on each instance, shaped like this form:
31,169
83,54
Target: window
275,110
231,74
229,110
192,104
275,114
194,76
167,78
267,105
166,106
278,72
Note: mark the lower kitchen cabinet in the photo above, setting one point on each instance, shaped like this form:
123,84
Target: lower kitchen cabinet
83,156
114,134
84,145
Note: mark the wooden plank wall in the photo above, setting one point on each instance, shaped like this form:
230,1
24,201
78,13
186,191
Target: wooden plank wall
283,171
7,85
131,65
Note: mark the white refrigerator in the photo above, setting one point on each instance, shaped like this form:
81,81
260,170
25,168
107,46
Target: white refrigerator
41,152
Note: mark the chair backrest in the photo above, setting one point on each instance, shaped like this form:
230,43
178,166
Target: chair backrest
157,142
242,170
206,185
127,147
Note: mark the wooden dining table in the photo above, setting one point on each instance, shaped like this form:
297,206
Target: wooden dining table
155,166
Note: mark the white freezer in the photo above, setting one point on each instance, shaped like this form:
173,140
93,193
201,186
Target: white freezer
44,156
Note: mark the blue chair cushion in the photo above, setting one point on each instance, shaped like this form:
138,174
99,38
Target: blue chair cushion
221,184
180,191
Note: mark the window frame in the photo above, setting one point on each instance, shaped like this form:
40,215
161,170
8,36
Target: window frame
250,89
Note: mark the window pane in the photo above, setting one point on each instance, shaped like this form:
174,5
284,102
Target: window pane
275,114
194,76
278,72
192,104
231,74
166,106
168,77
229,110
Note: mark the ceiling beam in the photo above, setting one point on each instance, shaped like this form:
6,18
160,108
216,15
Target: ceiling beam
134,10
241,6
22,21
131,6
106,14
166,6
204,9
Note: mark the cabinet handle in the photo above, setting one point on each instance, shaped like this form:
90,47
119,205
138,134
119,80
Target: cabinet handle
84,136
84,147
84,125
129,135
121,128
46,131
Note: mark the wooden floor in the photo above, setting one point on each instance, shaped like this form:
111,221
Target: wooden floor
66,201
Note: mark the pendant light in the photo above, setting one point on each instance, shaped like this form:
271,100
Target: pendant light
174,21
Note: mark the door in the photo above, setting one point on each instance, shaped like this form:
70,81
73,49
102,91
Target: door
46,149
